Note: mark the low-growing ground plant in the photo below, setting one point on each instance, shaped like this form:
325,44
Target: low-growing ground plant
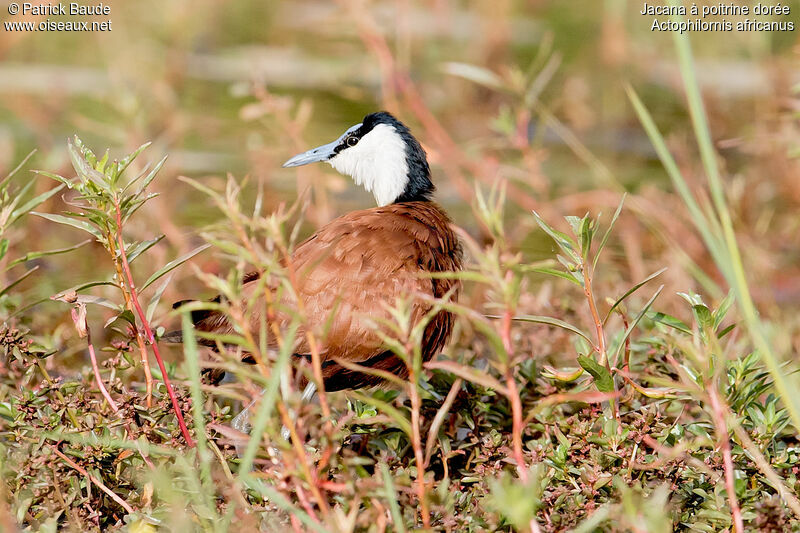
661,420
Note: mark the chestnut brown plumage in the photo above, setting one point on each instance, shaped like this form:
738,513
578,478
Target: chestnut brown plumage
351,271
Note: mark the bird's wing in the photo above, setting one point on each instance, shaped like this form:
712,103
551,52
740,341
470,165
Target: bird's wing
349,275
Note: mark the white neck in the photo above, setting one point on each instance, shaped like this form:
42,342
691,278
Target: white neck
377,162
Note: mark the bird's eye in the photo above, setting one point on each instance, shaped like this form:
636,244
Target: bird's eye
351,141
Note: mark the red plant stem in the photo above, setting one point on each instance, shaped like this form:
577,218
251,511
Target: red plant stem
304,461
295,524
309,509
601,337
627,360
598,324
514,399
727,459
97,376
516,426
505,332
148,377
114,496
416,441
149,332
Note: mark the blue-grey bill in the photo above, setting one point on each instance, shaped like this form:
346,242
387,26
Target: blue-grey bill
320,153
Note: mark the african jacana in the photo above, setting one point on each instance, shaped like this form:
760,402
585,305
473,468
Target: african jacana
358,265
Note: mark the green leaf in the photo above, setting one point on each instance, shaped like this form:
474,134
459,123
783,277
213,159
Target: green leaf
557,273
722,310
567,245
631,291
582,227
136,249
134,206
126,161
172,265
703,316
17,168
586,235
692,298
100,166
391,496
602,377
473,375
670,321
572,268
608,231
3,248
83,162
61,179
18,280
387,408
575,223
125,315
32,203
97,300
87,285
515,501
726,330
553,322
148,178
35,255
18,196
80,224
151,307
708,228
274,496
636,322
565,375
383,374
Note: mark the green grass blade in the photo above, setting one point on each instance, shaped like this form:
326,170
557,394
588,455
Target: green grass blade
35,255
17,168
550,321
267,403
557,273
18,280
702,224
607,234
68,221
172,265
391,497
139,248
32,203
631,291
192,358
278,499
730,262
153,303
633,324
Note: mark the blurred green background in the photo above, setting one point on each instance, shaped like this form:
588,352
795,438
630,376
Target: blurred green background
531,92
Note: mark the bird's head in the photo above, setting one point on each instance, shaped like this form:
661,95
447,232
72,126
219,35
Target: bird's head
381,155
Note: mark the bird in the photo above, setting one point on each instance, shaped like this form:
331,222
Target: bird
354,269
